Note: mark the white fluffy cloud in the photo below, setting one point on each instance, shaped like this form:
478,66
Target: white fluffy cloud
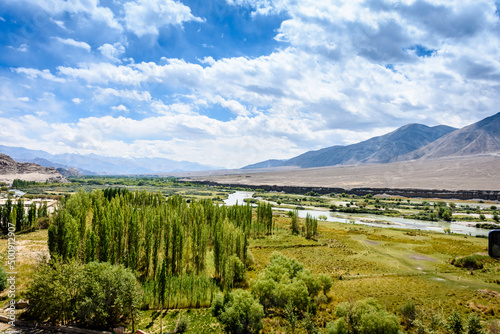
104,73
91,8
144,17
72,42
120,108
112,52
104,94
234,106
34,73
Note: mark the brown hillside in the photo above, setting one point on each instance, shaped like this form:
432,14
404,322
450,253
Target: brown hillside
11,169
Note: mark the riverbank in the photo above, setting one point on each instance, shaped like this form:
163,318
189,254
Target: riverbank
323,213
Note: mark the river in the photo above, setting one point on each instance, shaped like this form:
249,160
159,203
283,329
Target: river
373,220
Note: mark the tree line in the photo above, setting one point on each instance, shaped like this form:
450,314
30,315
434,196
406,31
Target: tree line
165,241
24,219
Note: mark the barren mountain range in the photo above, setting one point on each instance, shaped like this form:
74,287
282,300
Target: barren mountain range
410,142
482,137
10,170
380,149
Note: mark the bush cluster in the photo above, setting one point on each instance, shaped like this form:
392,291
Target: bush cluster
238,312
93,295
286,280
469,262
363,317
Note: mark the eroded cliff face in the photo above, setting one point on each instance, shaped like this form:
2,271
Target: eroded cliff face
11,169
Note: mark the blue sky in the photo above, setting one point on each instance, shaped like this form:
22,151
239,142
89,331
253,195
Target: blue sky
233,82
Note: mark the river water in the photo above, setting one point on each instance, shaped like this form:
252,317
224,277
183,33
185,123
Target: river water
372,220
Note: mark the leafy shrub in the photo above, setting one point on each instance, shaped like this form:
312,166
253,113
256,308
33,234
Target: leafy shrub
321,299
326,283
454,323
409,313
338,326
95,295
474,325
364,317
241,313
445,213
285,280
217,306
469,262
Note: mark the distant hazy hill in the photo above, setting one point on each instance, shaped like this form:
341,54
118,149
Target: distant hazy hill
266,164
11,169
380,149
95,164
482,137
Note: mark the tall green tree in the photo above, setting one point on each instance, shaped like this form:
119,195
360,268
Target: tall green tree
6,211
162,289
294,224
19,215
31,224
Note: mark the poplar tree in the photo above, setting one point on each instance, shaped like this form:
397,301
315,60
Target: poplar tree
90,245
43,210
162,287
294,221
13,216
311,226
32,216
19,215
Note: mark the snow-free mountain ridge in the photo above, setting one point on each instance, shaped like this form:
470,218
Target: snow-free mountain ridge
479,138
381,149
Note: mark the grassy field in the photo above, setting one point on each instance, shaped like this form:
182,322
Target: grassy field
394,266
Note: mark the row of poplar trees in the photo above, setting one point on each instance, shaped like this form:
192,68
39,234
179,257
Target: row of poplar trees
165,241
23,219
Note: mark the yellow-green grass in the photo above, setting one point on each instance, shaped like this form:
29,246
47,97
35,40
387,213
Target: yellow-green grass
198,320
31,250
394,266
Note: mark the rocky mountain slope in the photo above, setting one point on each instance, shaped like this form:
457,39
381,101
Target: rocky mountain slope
479,138
11,169
380,149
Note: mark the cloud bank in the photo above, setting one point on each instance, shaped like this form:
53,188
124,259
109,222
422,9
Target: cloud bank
282,77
